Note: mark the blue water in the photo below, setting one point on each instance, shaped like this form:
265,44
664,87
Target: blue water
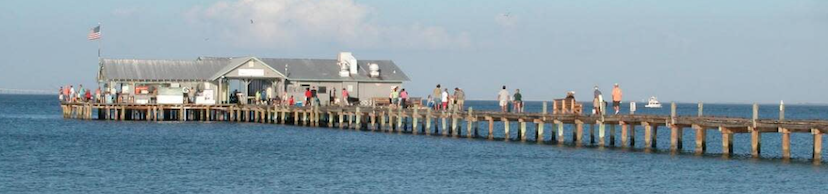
42,153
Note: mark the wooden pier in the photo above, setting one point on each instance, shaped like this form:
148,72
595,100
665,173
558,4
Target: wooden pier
466,123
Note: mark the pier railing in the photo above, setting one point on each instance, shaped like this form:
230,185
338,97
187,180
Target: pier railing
452,122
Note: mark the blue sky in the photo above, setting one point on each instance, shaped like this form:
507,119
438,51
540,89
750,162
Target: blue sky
687,51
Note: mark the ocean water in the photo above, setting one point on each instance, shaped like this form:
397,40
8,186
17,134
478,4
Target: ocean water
42,153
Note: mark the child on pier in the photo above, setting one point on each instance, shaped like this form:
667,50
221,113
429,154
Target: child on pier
430,101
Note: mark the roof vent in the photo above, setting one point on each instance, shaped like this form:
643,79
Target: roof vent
347,63
374,70
343,71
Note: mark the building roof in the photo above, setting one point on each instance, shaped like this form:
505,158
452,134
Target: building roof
328,70
158,70
211,68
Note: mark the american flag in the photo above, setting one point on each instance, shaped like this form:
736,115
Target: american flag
95,33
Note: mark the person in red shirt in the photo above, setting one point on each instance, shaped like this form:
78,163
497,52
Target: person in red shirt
291,101
87,95
308,95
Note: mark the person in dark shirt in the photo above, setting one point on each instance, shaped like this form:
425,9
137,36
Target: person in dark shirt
518,101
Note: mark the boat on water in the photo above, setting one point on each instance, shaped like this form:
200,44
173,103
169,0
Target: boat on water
653,103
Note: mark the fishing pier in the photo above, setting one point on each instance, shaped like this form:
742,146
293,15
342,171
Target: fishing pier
600,129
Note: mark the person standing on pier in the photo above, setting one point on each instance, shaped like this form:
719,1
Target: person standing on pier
269,95
518,101
445,99
71,96
503,99
307,97
345,97
87,96
314,97
332,96
597,101
60,94
395,96
257,96
403,98
460,98
263,99
66,95
436,94
616,98
98,95
80,92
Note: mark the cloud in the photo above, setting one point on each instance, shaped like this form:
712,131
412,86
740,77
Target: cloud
506,20
279,23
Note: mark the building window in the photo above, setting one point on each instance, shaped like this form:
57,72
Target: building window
322,90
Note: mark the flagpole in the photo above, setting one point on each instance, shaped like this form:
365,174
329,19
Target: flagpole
99,42
100,63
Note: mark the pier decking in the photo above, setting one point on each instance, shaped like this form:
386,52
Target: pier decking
466,123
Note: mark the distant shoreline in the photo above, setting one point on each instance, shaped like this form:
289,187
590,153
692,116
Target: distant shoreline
25,94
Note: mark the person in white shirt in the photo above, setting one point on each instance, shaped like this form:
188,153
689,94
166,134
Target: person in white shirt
269,95
503,99
72,96
444,98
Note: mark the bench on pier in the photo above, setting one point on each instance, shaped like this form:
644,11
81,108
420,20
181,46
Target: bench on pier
381,101
567,106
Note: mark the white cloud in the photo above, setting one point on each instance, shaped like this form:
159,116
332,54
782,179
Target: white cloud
279,23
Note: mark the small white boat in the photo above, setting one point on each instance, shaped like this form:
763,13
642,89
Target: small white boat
653,103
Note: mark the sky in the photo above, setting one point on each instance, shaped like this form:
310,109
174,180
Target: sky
712,51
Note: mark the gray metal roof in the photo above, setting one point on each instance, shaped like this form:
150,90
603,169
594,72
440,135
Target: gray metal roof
210,68
154,70
328,70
